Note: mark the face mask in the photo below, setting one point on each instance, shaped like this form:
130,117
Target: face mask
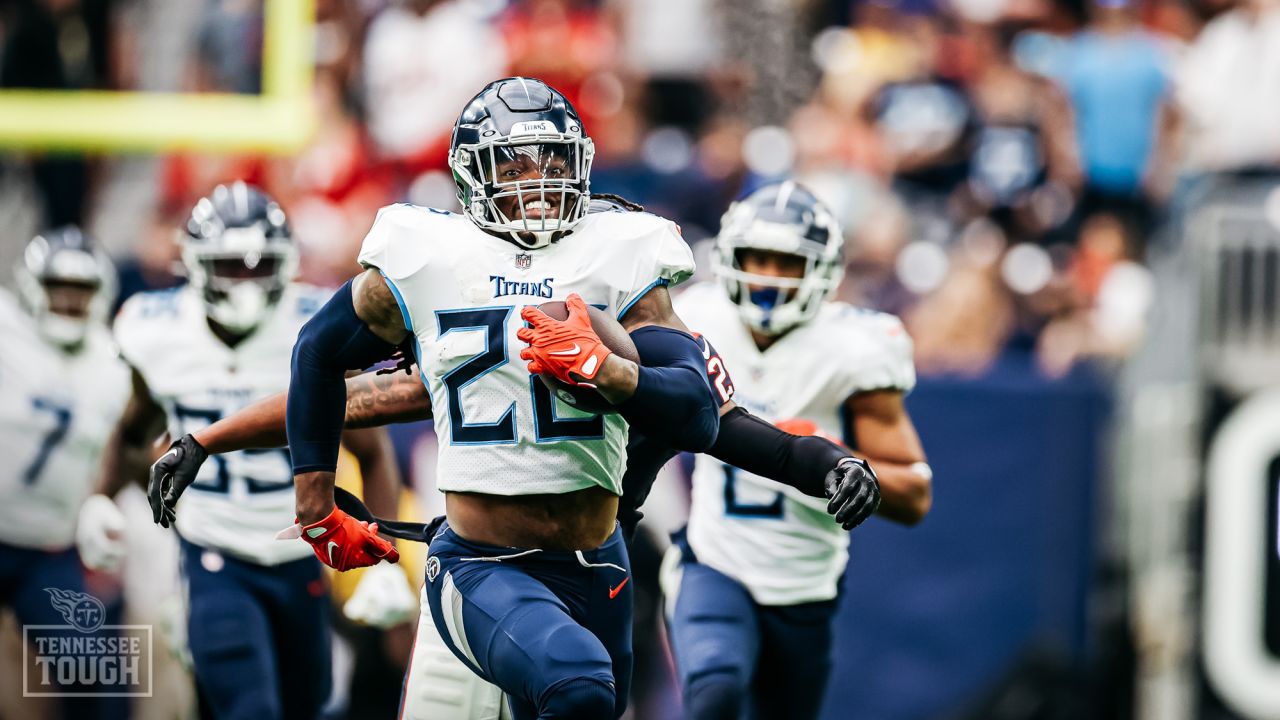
65,332
241,308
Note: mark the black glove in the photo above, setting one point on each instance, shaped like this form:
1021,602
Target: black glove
854,492
171,475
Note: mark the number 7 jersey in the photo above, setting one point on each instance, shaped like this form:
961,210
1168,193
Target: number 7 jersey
460,292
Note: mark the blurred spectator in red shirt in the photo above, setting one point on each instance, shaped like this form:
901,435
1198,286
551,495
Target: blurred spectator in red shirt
423,60
563,43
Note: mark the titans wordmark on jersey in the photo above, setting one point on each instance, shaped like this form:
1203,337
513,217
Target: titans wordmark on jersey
56,413
240,500
461,290
780,544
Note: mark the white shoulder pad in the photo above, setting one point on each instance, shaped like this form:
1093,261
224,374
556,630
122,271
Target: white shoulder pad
141,322
872,350
658,253
700,305
398,244
12,316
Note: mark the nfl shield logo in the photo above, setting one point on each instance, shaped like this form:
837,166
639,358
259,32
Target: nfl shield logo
523,261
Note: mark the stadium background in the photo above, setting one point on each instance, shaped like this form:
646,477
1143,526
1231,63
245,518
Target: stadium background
1071,205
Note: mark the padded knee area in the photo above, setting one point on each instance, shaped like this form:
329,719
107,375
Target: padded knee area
715,696
579,699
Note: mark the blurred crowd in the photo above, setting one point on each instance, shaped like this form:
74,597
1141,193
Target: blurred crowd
1001,167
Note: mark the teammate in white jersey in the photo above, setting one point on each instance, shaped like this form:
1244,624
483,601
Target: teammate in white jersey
752,587
258,607
439,685
528,581
61,388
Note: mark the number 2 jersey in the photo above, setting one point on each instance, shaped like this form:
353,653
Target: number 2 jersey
779,543
57,410
239,500
460,290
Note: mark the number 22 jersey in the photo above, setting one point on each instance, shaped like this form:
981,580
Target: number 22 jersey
460,291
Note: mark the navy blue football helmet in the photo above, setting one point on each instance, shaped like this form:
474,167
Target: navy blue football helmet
65,257
239,254
522,162
788,219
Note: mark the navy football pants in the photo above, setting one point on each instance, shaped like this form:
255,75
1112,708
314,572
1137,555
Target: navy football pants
259,636
24,575
552,629
738,659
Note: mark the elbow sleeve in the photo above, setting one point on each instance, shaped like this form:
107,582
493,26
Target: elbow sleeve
673,400
333,341
801,461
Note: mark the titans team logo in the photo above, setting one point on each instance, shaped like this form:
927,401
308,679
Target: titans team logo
82,611
433,568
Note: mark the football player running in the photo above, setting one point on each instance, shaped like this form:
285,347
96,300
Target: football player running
753,585
438,684
257,608
528,580
61,388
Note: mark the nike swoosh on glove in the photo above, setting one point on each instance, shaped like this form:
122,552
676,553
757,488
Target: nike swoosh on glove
100,534
342,542
568,349
382,598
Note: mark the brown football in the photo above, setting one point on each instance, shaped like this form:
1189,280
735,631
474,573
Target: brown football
612,334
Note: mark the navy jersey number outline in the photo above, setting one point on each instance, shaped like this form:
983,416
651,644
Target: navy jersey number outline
772,509
61,423
222,480
547,426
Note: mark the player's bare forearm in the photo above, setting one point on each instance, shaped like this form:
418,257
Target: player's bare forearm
886,437
128,450
381,477
260,425
373,400
313,496
906,494
383,399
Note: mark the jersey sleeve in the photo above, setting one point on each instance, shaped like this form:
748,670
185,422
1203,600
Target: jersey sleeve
133,328
876,354
396,246
664,259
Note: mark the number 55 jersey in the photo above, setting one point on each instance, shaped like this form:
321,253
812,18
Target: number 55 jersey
240,500
779,543
56,412
460,291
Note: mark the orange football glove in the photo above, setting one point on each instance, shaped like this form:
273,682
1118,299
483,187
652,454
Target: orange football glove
568,349
344,543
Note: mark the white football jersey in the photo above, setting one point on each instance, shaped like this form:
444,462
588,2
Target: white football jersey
461,289
239,500
779,543
56,412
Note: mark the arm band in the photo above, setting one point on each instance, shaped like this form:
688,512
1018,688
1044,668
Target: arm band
673,401
333,341
801,461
